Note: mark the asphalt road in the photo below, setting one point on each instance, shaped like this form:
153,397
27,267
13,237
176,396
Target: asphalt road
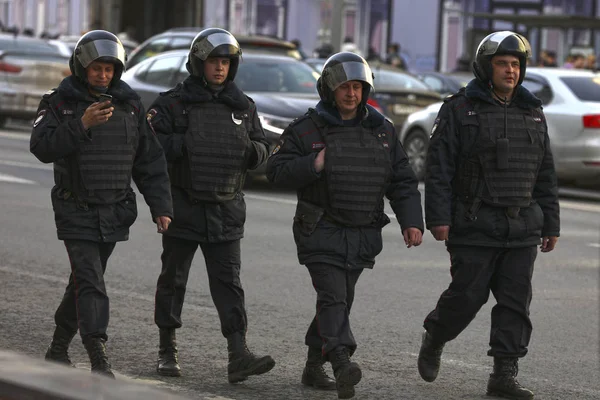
391,302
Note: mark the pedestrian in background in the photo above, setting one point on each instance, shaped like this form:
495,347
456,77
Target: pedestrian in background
211,136
343,158
491,194
97,147
394,57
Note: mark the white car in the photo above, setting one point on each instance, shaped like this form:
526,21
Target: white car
571,101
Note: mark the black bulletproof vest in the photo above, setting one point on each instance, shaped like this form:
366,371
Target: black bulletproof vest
357,170
505,176
217,143
104,162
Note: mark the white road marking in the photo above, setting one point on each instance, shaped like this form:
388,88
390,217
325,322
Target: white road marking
45,167
14,179
19,136
596,245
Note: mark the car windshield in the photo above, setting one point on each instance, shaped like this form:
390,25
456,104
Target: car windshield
276,76
586,88
385,79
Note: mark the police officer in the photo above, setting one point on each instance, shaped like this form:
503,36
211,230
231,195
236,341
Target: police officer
96,146
491,194
343,157
211,136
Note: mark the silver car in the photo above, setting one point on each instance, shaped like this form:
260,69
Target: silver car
571,101
28,68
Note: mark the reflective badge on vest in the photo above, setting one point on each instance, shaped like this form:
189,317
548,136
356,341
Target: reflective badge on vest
235,120
537,119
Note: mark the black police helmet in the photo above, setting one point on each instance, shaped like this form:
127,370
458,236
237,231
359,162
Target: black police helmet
500,43
213,42
99,46
343,67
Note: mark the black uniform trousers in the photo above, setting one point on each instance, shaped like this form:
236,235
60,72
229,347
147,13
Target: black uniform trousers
223,263
330,327
475,271
85,304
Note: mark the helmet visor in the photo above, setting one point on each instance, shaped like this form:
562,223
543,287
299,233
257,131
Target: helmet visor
95,49
347,71
225,44
518,44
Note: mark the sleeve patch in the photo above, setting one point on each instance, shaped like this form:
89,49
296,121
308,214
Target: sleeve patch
40,117
151,114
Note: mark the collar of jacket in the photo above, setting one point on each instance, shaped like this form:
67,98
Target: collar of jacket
195,91
72,88
523,98
370,117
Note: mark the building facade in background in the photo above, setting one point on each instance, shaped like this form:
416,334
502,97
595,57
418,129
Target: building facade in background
433,34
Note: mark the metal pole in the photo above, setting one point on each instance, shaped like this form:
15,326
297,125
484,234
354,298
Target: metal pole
336,24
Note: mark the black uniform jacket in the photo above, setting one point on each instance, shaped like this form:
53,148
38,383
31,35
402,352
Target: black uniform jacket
292,165
203,221
449,142
107,215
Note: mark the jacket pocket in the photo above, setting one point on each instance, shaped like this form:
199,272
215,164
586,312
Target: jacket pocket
534,219
233,212
371,244
307,217
126,211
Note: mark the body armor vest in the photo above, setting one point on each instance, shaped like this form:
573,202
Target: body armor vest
502,168
357,170
217,143
106,161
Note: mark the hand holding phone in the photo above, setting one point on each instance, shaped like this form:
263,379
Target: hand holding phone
103,98
99,112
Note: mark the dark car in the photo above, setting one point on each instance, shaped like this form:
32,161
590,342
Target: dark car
445,83
181,38
398,93
282,87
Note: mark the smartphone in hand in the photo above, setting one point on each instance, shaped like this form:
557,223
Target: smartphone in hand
104,97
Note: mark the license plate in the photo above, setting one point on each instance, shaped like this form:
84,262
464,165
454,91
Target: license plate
403,109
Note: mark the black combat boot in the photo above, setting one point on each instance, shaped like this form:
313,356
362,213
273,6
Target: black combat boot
242,363
167,354
314,374
58,351
347,373
503,383
430,357
96,349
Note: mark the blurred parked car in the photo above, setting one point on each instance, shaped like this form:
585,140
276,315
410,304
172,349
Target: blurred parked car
398,94
181,38
29,67
71,40
282,87
445,83
571,101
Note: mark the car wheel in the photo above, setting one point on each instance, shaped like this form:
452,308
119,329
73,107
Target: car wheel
415,145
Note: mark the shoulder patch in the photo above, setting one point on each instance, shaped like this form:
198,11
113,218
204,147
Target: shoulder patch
151,114
49,93
40,117
278,147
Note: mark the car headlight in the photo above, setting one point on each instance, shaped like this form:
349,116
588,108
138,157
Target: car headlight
273,124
